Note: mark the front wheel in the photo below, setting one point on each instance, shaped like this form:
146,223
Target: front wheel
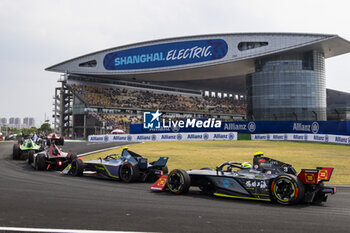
77,167
287,190
178,181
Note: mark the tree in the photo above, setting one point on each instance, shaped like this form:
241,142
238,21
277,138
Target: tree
30,131
45,127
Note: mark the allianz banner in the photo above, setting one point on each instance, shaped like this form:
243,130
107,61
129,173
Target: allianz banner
219,136
324,138
312,127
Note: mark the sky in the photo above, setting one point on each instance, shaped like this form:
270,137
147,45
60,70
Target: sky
35,34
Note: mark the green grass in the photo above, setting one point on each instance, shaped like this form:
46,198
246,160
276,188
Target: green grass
198,154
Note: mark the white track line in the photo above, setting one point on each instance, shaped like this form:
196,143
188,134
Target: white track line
20,229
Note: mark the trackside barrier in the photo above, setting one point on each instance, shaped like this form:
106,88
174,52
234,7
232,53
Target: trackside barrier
325,138
210,136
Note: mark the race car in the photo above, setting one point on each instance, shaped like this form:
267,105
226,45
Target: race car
24,148
128,167
59,140
266,180
52,158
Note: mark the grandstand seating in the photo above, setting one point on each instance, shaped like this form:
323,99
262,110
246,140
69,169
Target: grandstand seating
114,97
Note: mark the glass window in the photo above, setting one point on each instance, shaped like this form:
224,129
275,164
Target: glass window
242,46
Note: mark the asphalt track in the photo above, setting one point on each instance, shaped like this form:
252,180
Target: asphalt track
33,199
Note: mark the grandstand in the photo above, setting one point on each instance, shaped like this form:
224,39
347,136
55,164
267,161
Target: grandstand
240,76
100,107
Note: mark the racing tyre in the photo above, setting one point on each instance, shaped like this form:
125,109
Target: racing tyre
16,152
31,156
287,190
129,172
40,162
71,157
77,167
61,141
178,181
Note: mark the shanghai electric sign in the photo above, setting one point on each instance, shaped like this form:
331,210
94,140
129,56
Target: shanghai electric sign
165,55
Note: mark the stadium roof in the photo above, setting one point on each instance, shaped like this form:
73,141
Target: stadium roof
198,57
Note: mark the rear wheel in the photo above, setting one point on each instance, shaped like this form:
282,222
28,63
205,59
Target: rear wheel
71,157
31,156
178,181
129,172
61,141
40,162
77,168
16,152
287,190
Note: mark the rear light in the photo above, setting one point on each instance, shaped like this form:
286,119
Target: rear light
59,163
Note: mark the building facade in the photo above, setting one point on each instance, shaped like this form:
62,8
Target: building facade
281,74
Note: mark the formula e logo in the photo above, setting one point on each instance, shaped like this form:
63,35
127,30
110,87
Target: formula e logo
151,120
129,138
315,127
106,138
251,126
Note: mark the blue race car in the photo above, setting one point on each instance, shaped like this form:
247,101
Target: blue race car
128,167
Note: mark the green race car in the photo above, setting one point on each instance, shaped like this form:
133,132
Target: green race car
22,150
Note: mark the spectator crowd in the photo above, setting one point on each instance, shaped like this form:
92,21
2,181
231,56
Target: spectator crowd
110,97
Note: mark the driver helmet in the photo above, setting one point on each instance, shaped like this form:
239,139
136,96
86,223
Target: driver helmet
258,154
246,165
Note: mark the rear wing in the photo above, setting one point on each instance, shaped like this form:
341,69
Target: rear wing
315,176
161,162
